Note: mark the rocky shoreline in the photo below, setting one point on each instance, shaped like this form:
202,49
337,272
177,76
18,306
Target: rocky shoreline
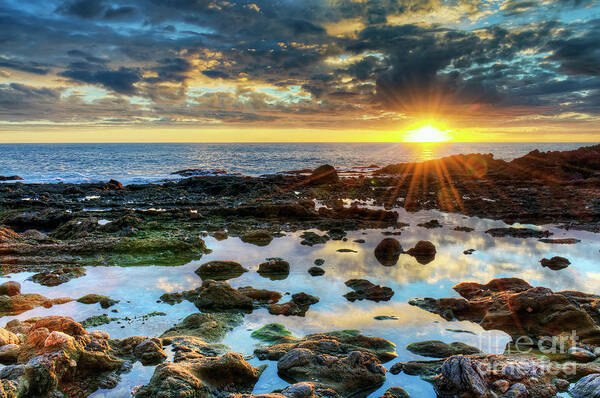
55,231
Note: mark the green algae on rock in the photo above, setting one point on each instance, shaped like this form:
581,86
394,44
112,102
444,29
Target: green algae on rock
271,333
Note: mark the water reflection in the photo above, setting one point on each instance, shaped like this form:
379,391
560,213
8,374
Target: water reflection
138,288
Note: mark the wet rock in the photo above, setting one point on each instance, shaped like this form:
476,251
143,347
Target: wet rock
297,306
513,306
430,224
271,333
358,371
424,252
261,296
386,318
580,354
319,262
214,295
10,178
310,238
325,174
308,390
469,252
388,251
561,241
258,237
346,251
365,290
211,327
438,349
10,288
555,263
518,233
587,387
148,350
19,303
395,392
220,235
220,270
201,376
464,229
339,343
76,228
316,271
274,269
336,233
397,368
113,185
7,235
105,301
58,276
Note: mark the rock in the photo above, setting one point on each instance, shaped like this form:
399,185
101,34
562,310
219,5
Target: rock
297,306
10,288
274,269
319,262
518,233
258,237
339,343
438,349
424,252
388,251
580,354
358,371
325,174
465,375
310,238
19,303
220,235
316,271
75,228
469,252
430,224
8,337
513,306
215,295
271,333
555,263
10,178
201,376
395,392
148,350
261,296
8,235
561,241
105,301
587,387
336,233
211,327
397,368
220,270
464,229
365,290
500,386
58,276
346,251
113,185
308,390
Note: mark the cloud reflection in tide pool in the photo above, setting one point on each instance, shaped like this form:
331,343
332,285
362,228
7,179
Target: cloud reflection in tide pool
138,288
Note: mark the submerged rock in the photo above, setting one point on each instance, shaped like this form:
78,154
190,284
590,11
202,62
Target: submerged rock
220,270
58,276
365,290
310,238
430,224
424,252
316,271
395,392
555,263
518,233
561,241
438,349
271,333
105,301
388,251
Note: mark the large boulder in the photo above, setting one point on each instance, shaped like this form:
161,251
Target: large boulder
513,306
388,251
220,270
325,174
274,269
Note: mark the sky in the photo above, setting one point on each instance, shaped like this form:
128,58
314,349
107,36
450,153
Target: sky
299,70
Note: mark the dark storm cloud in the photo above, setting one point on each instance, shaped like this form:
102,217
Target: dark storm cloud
121,80
29,67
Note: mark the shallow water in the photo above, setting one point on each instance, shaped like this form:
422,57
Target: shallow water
139,288
140,163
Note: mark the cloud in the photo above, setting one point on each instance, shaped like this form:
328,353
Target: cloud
121,80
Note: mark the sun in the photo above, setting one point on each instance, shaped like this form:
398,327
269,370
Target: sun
427,133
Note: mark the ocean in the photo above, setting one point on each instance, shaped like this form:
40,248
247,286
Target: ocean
141,163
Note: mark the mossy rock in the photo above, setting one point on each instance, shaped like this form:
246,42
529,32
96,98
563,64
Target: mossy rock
104,301
271,333
97,320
